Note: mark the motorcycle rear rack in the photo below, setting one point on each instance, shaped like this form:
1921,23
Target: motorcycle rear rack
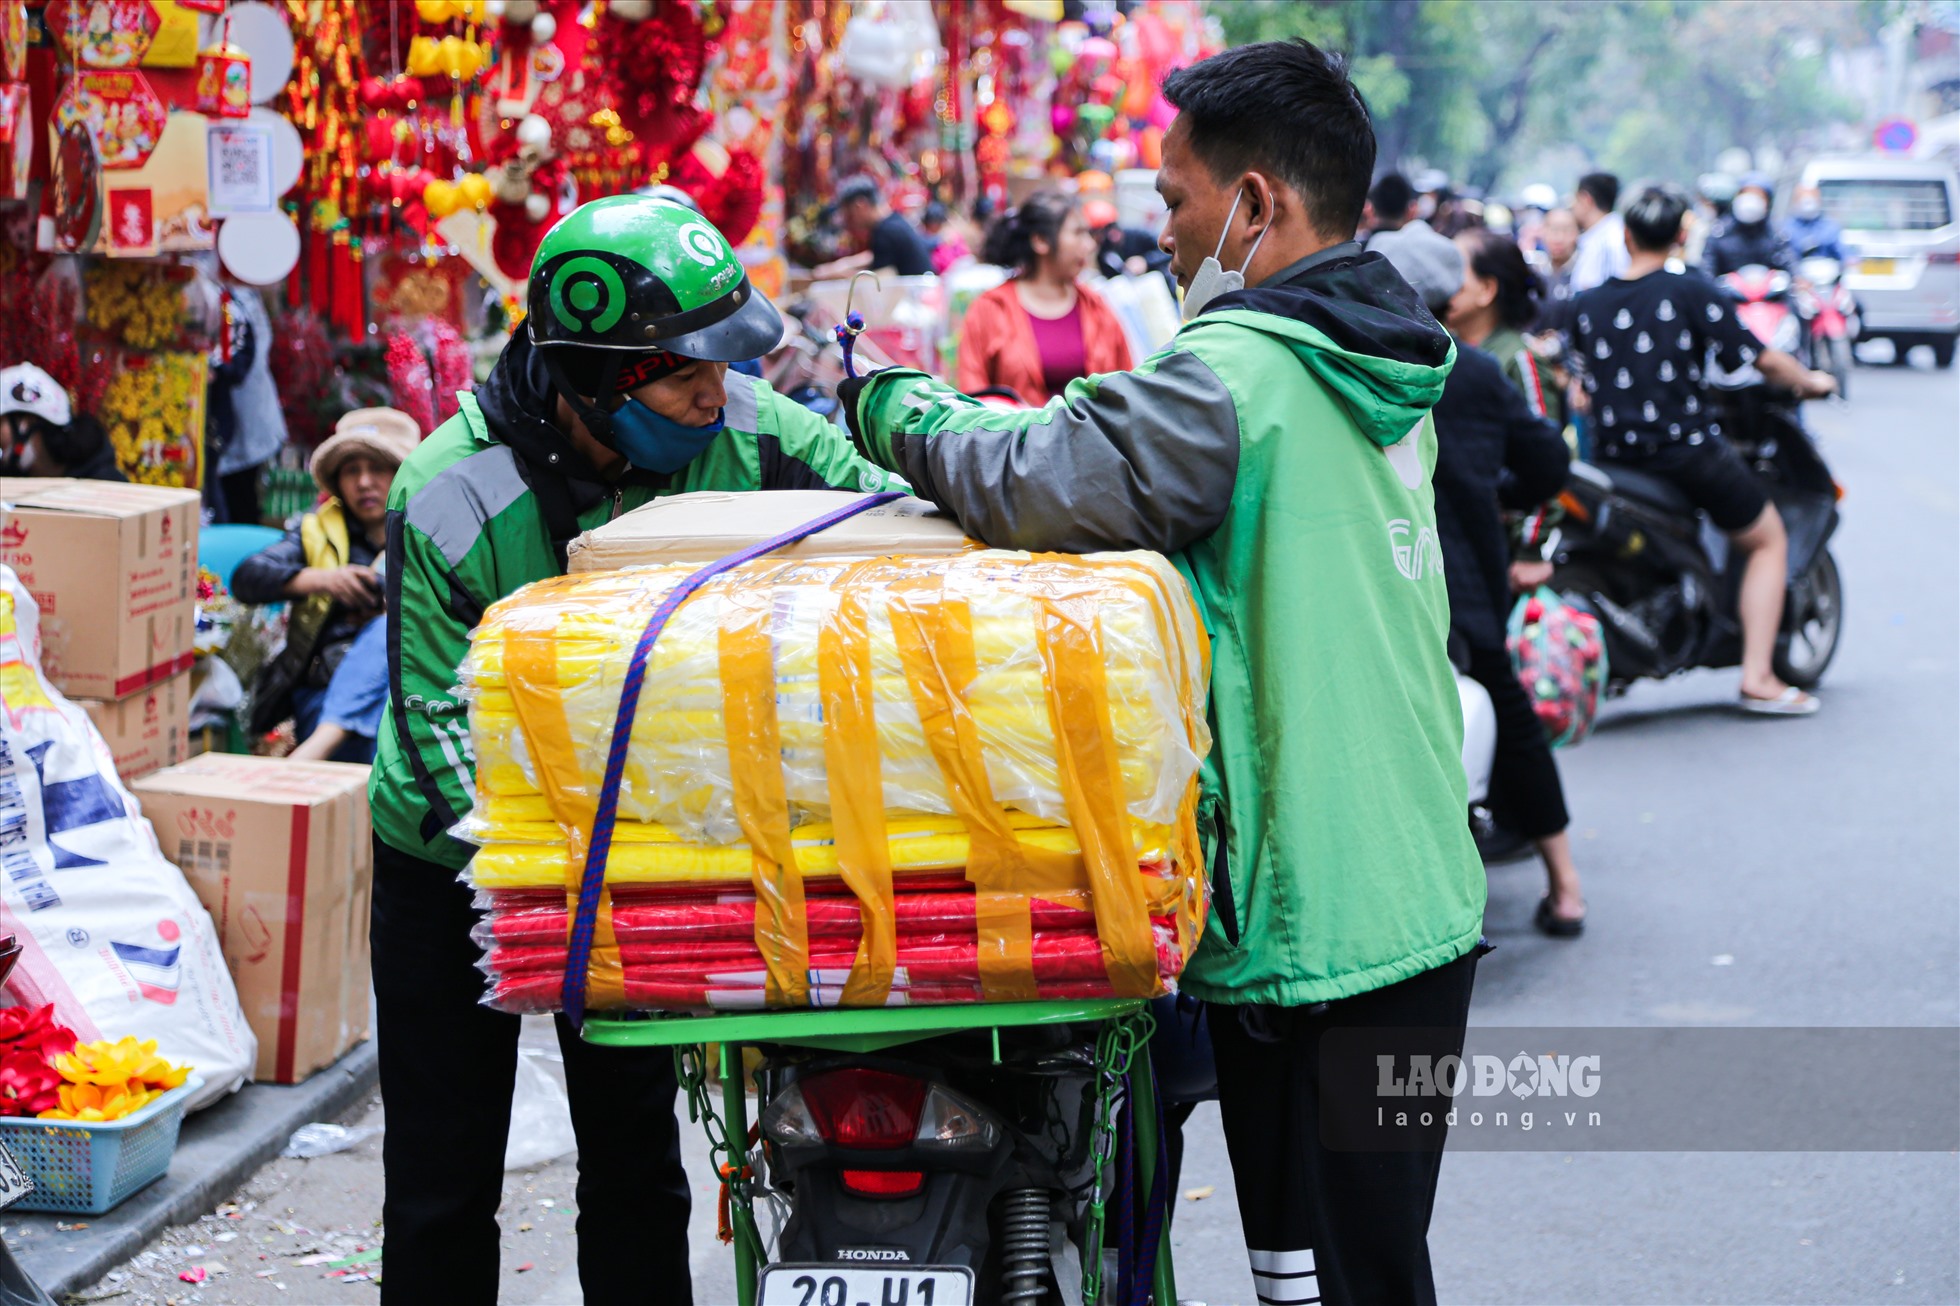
845,1029
862,1030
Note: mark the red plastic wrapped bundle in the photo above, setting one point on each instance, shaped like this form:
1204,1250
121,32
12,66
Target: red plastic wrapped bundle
681,950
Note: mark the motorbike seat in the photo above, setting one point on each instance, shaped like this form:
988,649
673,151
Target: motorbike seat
1654,491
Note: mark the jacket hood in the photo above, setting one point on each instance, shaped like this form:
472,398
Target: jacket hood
518,400
1357,325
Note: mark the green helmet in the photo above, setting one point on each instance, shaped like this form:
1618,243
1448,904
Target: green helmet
639,274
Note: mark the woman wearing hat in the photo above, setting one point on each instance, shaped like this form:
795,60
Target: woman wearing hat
326,568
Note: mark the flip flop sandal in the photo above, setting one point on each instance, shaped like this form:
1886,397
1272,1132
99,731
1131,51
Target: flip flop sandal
1791,702
1557,927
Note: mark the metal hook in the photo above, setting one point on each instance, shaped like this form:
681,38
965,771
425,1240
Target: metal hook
851,293
853,324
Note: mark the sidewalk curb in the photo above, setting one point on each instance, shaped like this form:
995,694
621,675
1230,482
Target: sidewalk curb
220,1148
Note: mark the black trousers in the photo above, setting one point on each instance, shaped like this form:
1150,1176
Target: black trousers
1526,797
1323,1224
448,1067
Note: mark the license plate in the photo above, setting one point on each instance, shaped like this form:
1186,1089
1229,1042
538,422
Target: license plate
1877,267
14,1183
837,1285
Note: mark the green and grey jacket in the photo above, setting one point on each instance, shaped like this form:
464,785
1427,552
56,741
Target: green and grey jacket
1280,451
487,504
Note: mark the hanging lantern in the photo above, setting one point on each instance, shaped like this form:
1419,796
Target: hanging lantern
224,82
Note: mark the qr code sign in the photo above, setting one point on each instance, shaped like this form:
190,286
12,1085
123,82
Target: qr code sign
241,164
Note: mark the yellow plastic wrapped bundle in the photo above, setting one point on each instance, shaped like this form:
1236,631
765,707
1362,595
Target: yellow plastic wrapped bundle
1034,720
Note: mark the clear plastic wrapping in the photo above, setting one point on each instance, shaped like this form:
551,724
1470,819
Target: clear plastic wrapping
1026,728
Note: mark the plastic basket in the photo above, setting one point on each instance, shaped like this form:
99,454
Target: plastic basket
88,1168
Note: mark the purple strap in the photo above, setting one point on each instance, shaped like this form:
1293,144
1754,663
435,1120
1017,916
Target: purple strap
583,923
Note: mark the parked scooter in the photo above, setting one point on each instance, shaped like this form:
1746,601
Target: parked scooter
1663,581
1827,304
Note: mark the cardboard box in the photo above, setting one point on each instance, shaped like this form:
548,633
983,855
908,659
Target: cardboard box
114,569
709,524
279,854
147,731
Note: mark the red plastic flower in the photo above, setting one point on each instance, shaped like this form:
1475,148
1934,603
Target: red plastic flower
33,1029
28,1084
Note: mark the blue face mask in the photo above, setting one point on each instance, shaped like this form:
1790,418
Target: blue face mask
659,444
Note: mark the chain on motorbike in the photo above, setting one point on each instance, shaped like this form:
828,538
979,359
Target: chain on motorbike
1116,1047
734,1215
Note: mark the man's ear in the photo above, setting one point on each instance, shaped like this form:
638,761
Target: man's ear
1260,197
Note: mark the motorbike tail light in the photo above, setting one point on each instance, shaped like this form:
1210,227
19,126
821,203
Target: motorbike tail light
788,1120
1573,508
949,1121
883,1183
1952,256
873,1110
1837,491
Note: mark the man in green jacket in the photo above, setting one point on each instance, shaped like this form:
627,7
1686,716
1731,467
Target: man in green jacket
1279,450
616,391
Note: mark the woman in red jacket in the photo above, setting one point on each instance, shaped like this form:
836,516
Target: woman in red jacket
1039,329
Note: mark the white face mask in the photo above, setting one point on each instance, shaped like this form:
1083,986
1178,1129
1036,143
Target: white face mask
1807,208
1750,208
1211,280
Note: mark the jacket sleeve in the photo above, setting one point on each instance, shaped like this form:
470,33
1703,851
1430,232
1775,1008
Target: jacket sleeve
430,615
798,450
262,577
1535,455
1144,459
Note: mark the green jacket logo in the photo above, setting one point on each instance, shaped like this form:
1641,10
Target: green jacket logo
588,288
1414,554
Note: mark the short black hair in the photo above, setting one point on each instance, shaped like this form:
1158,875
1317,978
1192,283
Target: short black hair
1654,217
1604,188
1392,195
1287,108
860,186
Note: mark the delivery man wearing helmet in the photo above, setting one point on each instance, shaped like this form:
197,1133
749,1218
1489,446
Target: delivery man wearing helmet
614,392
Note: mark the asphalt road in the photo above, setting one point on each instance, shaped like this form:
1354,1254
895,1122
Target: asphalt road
1739,872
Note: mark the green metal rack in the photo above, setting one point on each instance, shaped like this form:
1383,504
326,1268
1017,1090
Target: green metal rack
857,1030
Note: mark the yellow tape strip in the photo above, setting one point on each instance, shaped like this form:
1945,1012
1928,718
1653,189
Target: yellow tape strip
748,683
1078,700
934,633
1161,588
532,659
854,769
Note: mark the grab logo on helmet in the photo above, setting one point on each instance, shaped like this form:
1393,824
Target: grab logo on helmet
702,244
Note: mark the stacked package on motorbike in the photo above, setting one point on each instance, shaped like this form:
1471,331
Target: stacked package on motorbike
860,781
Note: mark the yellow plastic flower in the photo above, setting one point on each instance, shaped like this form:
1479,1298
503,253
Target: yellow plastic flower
107,1081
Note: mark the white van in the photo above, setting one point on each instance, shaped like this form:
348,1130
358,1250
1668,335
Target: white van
1901,220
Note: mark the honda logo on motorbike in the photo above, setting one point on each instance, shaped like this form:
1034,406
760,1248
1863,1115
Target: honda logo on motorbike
1415,550
873,1254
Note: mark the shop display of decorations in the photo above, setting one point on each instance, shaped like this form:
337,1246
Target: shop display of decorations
153,409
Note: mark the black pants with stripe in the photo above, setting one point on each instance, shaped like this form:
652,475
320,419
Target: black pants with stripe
448,1067
1324,1223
